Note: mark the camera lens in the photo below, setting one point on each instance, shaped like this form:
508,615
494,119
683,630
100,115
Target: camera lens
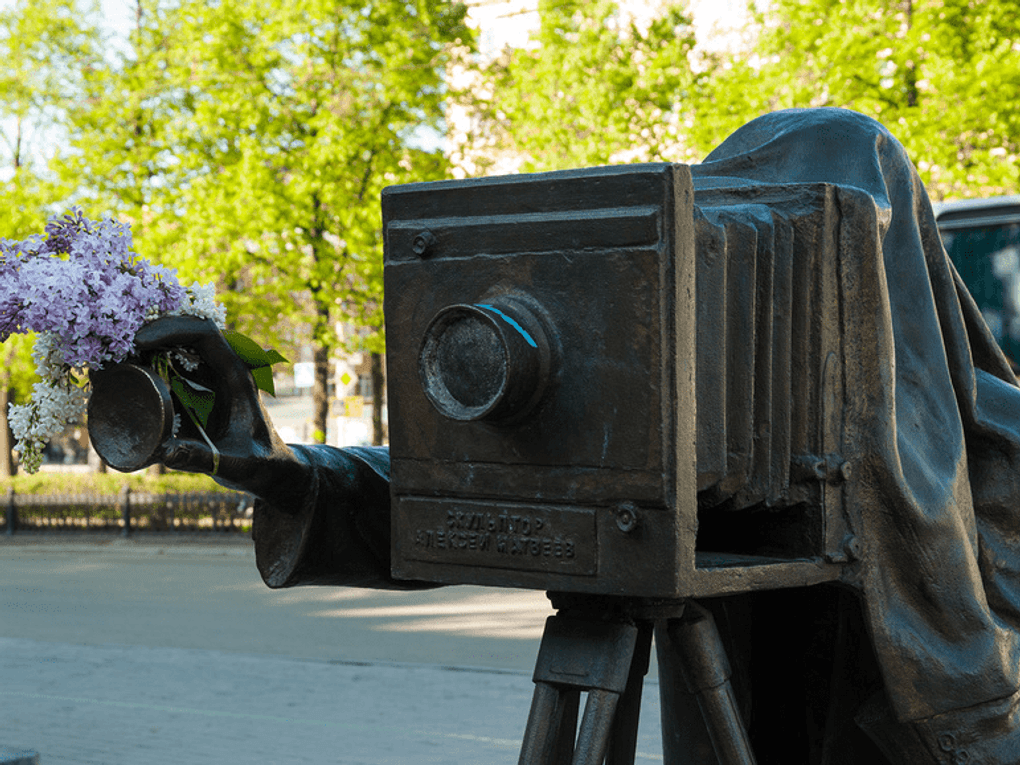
130,414
484,361
471,360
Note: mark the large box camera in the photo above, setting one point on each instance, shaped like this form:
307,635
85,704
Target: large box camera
597,385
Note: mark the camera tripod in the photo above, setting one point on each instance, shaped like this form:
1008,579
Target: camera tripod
602,646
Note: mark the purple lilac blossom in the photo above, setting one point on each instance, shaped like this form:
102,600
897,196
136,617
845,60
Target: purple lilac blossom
86,294
84,284
11,255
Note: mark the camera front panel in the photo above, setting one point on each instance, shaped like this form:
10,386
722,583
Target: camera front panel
533,346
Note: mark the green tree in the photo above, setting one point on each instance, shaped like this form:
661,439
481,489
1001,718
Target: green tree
259,135
123,129
591,87
47,47
942,75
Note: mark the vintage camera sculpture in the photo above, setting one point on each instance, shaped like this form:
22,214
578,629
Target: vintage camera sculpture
601,384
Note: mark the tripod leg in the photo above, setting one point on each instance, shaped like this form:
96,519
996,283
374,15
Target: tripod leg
570,699
596,726
577,655
707,674
685,739
540,735
623,743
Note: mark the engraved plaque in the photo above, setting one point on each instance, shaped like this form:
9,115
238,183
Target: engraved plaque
498,535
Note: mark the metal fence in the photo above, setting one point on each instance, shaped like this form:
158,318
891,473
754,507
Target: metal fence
128,512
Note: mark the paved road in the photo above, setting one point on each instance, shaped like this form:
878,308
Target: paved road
137,652
211,596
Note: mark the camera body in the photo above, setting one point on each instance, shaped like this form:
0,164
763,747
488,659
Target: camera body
576,378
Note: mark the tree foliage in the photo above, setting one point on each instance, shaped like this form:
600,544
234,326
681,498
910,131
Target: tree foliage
124,154
942,75
592,87
47,47
247,141
261,133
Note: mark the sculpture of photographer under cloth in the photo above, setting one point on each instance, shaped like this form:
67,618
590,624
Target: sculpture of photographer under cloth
937,598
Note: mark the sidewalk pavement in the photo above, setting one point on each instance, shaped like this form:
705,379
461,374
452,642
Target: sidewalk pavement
119,704
129,705
225,542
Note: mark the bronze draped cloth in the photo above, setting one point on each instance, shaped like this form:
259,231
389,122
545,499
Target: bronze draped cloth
938,508
934,502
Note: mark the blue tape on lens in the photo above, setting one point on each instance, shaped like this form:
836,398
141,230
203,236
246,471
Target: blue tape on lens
512,322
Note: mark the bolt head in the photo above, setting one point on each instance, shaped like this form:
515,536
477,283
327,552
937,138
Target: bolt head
423,243
627,517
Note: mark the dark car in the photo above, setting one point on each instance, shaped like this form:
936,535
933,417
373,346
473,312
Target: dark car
982,237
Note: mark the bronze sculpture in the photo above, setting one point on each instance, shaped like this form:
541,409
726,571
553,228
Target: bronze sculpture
917,638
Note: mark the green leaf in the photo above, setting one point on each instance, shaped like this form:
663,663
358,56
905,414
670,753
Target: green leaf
264,379
250,352
200,404
259,360
162,366
201,390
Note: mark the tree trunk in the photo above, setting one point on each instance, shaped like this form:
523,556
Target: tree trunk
912,66
320,394
7,468
378,399
17,145
95,462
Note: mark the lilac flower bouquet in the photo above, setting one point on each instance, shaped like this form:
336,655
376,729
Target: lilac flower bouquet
86,295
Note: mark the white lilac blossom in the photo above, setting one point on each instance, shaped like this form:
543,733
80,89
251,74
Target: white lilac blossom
54,404
86,294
